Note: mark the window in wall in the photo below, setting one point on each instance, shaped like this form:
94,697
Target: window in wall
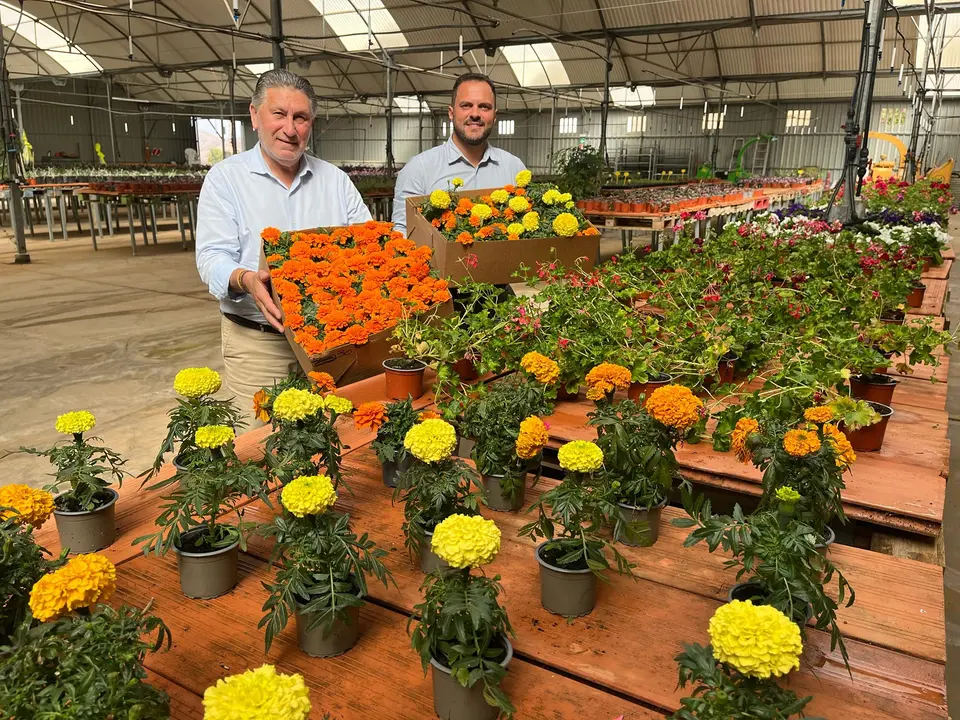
637,124
893,119
446,129
214,136
505,127
713,121
568,125
798,118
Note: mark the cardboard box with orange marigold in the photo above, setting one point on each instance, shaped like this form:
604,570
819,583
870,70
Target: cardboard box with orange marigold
342,290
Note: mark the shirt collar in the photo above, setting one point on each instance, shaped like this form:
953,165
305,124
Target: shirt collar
257,164
453,154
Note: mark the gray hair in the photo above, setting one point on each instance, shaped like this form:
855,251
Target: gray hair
283,78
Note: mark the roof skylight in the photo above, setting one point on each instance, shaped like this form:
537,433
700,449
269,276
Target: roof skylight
361,24
410,104
536,65
36,32
259,69
642,96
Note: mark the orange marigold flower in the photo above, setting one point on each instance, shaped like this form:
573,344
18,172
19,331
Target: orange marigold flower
428,415
513,236
841,446
270,234
532,438
323,382
674,406
465,238
801,443
435,222
520,192
818,415
741,434
475,221
370,415
544,369
260,400
606,377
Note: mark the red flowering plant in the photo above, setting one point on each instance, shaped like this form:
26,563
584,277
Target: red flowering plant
923,197
343,285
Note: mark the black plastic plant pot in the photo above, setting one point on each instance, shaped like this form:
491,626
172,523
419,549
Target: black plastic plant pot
392,470
565,592
647,518
494,496
209,573
429,560
452,701
87,531
321,641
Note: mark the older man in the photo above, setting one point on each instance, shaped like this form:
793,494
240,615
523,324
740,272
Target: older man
273,185
466,155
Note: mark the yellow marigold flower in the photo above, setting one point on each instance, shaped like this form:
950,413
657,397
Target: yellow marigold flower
466,541
523,178
674,406
758,640
565,225
519,204
569,205
431,441
481,211
801,443
818,415
516,229
841,446
340,405
261,694
541,367
294,404
213,436
551,196
32,507
738,438
565,197
580,456
83,582
500,196
308,495
606,377
440,199
787,494
531,221
196,382
457,182
532,438
370,415
74,423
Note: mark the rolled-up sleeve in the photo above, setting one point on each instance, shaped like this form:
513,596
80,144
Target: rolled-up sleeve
408,184
218,236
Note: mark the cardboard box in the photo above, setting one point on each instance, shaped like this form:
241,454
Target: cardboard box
347,363
497,260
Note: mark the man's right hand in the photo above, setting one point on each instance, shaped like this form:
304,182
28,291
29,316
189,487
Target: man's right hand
257,285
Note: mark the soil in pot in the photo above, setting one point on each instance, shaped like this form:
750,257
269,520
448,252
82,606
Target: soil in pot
915,296
870,438
569,592
404,378
494,496
391,470
755,592
429,560
205,572
652,383
452,701
85,531
876,387
339,638
648,520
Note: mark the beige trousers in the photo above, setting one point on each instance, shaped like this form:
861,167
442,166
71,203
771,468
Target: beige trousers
253,360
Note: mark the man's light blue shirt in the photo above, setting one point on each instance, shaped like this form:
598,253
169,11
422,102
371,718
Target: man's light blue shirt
436,168
240,197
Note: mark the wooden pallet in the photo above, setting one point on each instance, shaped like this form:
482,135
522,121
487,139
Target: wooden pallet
941,272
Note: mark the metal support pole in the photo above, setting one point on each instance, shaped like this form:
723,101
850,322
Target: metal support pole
920,97
13,162
231,80
420,133
113,135
553,110
276,31
875,20
605,106
389,71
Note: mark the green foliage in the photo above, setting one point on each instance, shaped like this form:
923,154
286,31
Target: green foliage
87,468
432,492
722,693
201,495
462,626
84,667
778,551
389,441
22,563
291,447
323,569
853,413
581,170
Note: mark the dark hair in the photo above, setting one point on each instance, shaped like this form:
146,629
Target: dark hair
472,77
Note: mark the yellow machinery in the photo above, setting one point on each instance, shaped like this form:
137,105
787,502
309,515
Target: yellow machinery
942,173
886,169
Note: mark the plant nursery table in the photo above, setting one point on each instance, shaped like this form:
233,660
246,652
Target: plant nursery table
47,194
142,205
616,661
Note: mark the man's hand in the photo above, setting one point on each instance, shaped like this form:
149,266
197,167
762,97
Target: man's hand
257,285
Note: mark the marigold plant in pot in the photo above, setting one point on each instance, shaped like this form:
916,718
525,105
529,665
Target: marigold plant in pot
779,553
462,631
734,676
305,436
195,408
322,572
85,513
391,423
435,487
207,549
83,659
570,519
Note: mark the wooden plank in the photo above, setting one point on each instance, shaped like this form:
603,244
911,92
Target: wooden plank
938,272
380,677
933,299
949,254
184,704
658,615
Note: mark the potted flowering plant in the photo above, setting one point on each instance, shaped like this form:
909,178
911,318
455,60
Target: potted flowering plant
391,423
91,654
263,399
85,514
305,436
734,680
195,408
778,557
22,510
207,549
863,422
493,418
570,518
435,487
278,696
463,632
323,568
605,379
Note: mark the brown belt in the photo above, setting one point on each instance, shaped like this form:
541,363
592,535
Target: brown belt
252,324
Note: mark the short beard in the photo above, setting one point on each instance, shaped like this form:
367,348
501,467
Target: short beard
470,141
276,159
